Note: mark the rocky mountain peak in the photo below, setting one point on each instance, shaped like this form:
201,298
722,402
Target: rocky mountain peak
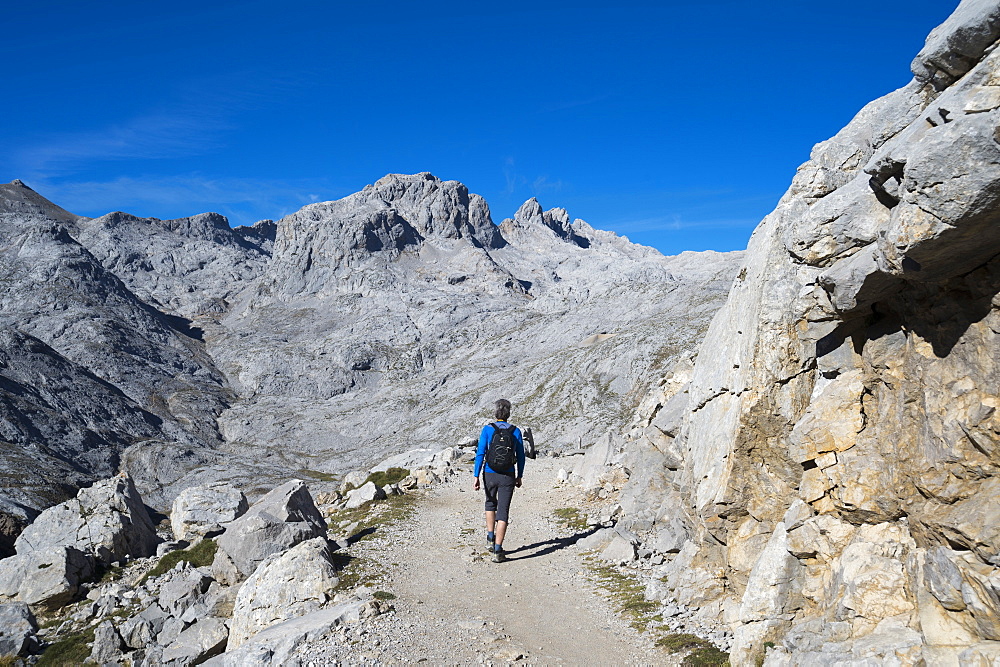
18,198
531,225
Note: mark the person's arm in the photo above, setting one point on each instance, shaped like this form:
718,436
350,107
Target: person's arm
519,448
480,454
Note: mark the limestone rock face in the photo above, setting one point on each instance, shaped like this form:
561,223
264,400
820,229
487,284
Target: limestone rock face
281,519
840,440
286,585
89,368
47,578
188,267
199,510
108,521
17,629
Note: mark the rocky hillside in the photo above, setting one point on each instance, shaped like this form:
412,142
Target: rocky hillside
184,351
835,449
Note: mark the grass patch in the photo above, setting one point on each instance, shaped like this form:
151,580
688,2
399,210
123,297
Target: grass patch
680,642
8,660
707,657
68,652
625,590
702,653
387,477
318,475
353,571
628,594
571,518
383,595
759,660
108,573
382,478
200,555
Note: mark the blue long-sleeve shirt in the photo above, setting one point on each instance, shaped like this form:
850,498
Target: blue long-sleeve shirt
484,440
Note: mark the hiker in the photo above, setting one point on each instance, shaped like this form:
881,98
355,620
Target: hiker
500,451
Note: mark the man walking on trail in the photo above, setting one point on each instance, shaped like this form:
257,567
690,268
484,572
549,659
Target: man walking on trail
500,452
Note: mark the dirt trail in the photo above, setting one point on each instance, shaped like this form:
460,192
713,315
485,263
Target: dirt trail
455,606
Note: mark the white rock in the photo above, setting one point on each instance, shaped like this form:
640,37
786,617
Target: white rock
364,494
199,510
285,585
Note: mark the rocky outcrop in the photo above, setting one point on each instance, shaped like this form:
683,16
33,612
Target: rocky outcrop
285,585
189,267
46,578
200,510
17,630
89,369
108,521
67,543
836,459
281,519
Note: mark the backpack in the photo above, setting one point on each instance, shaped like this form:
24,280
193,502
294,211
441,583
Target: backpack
501,455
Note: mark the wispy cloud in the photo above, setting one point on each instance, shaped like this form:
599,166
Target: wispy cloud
675,222
243,201
190,120
155,136
515,181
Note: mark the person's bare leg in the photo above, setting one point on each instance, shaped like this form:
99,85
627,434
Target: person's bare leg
501,531
491,518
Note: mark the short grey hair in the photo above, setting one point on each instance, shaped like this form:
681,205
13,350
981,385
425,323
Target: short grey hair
502,411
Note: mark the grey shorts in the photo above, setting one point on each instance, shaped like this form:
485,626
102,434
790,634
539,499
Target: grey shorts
499,490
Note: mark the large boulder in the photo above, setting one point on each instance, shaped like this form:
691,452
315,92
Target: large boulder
47,578
366,493
280,520
201,640
200,510
17,630
107,520
277,644
285,586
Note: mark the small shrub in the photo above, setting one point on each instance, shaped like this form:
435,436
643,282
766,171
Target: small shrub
680,642
571,518
707,657
387,477
383,595
68,652
199,555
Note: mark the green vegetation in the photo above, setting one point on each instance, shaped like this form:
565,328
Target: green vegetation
108,573
199,555
68,652
759,659
383,478
680,642
571,518
387,477
354,571
702,654
707,657
626,592
318,475
383,595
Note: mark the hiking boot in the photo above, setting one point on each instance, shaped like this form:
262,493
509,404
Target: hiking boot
490,543
499,556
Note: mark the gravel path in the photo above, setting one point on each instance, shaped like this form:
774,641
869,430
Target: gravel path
454,606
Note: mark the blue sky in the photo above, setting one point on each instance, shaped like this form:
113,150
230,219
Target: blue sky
678,124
